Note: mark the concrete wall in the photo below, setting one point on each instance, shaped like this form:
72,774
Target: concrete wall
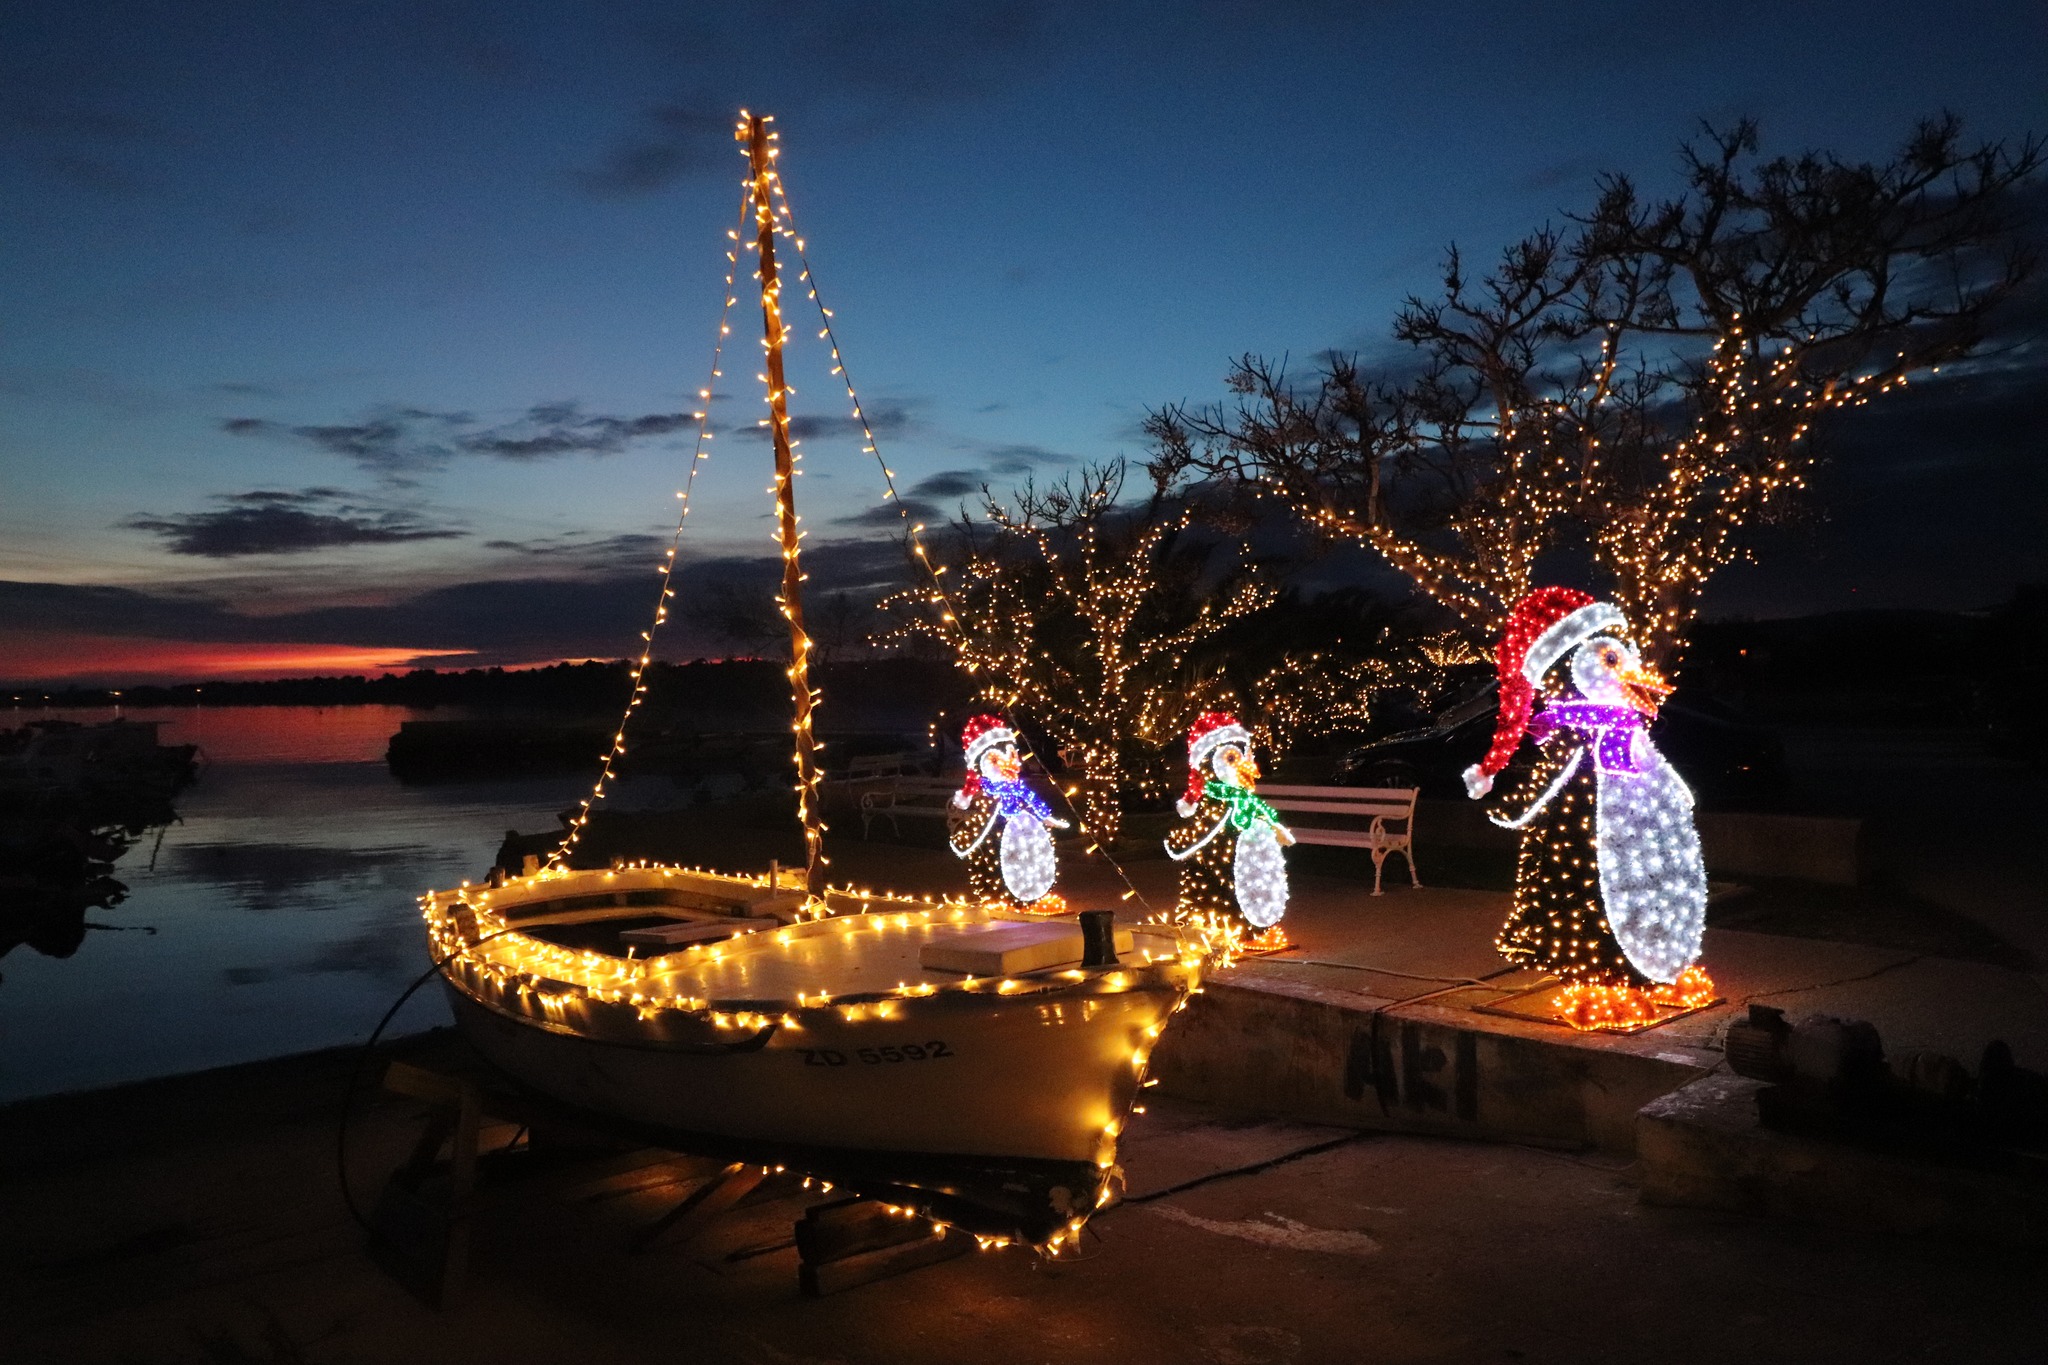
1736,844
1283,1050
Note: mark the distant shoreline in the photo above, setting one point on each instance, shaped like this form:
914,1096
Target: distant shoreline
590,687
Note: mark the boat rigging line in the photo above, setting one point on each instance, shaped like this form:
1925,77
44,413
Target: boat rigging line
766,199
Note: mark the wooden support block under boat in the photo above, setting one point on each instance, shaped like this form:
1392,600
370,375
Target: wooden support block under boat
851,1242
1011,949
703,1205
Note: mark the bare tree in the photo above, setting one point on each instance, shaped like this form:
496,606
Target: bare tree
1079,613
1643,383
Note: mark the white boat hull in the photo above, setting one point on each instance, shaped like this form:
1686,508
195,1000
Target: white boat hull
921,1085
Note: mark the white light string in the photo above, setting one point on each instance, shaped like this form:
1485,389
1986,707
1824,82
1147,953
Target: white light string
913,530
698,455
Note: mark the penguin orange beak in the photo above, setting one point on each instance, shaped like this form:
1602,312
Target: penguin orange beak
1006,765
1644,688
1247,770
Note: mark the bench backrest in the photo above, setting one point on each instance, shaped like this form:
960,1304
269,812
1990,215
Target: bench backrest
1387,803
915,787
879,765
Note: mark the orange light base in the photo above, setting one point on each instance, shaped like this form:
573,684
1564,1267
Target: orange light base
1589,1007
1273,940
1693,990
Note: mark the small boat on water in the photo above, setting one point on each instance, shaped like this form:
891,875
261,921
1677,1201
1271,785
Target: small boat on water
973,1064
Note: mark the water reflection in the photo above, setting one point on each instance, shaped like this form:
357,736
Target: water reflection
281,900
73,797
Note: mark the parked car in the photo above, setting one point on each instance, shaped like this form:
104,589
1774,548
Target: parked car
1731,762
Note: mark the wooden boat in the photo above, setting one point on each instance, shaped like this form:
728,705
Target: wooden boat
971,1065
825,1045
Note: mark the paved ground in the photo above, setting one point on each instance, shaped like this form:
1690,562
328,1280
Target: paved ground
184,1241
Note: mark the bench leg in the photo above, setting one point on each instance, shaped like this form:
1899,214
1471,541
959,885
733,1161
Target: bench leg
1379,861
1408,852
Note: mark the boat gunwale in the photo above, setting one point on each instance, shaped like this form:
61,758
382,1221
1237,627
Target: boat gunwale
462,918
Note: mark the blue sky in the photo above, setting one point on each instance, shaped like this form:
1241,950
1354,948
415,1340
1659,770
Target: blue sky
347,272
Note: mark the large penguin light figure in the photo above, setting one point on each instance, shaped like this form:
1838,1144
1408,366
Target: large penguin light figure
1610,892
1000,827
1232,871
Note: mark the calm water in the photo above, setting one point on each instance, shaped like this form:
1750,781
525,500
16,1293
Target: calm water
282,905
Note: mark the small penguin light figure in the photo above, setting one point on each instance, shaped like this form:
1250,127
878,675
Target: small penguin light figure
1610,891
1233,876
1016,865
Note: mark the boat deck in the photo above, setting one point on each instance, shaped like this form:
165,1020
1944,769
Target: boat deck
568,929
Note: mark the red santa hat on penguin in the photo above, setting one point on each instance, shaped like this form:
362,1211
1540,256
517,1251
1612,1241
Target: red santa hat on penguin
981,733
1544,626
1211,730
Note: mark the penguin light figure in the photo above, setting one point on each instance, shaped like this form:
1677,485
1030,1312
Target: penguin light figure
1018,864
1610,891
1232,872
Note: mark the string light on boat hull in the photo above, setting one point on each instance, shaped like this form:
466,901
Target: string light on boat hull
671,999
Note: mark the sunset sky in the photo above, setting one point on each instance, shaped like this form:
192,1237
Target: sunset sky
345,337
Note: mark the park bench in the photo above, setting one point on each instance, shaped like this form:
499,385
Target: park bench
868,767
1351,817
903,794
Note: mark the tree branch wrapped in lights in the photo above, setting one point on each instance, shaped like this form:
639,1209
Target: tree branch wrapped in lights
1644,384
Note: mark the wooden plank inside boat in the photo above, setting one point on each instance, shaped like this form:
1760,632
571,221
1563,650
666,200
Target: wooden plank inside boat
1010,949
666,938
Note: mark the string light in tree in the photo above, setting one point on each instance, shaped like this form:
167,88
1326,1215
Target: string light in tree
1062,613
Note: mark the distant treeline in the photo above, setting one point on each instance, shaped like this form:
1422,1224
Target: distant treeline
595,688
1883,668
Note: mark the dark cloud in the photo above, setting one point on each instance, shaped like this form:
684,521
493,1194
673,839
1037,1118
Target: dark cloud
674,140
847,71
890,516
1022,458
886,421
399,440
552,429
266,522
497,621
949,483
605,552
924,499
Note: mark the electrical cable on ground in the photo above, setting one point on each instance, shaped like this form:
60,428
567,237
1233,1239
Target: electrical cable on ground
1313,1149
355,1076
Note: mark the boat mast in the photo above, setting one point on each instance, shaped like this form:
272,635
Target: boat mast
761,156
